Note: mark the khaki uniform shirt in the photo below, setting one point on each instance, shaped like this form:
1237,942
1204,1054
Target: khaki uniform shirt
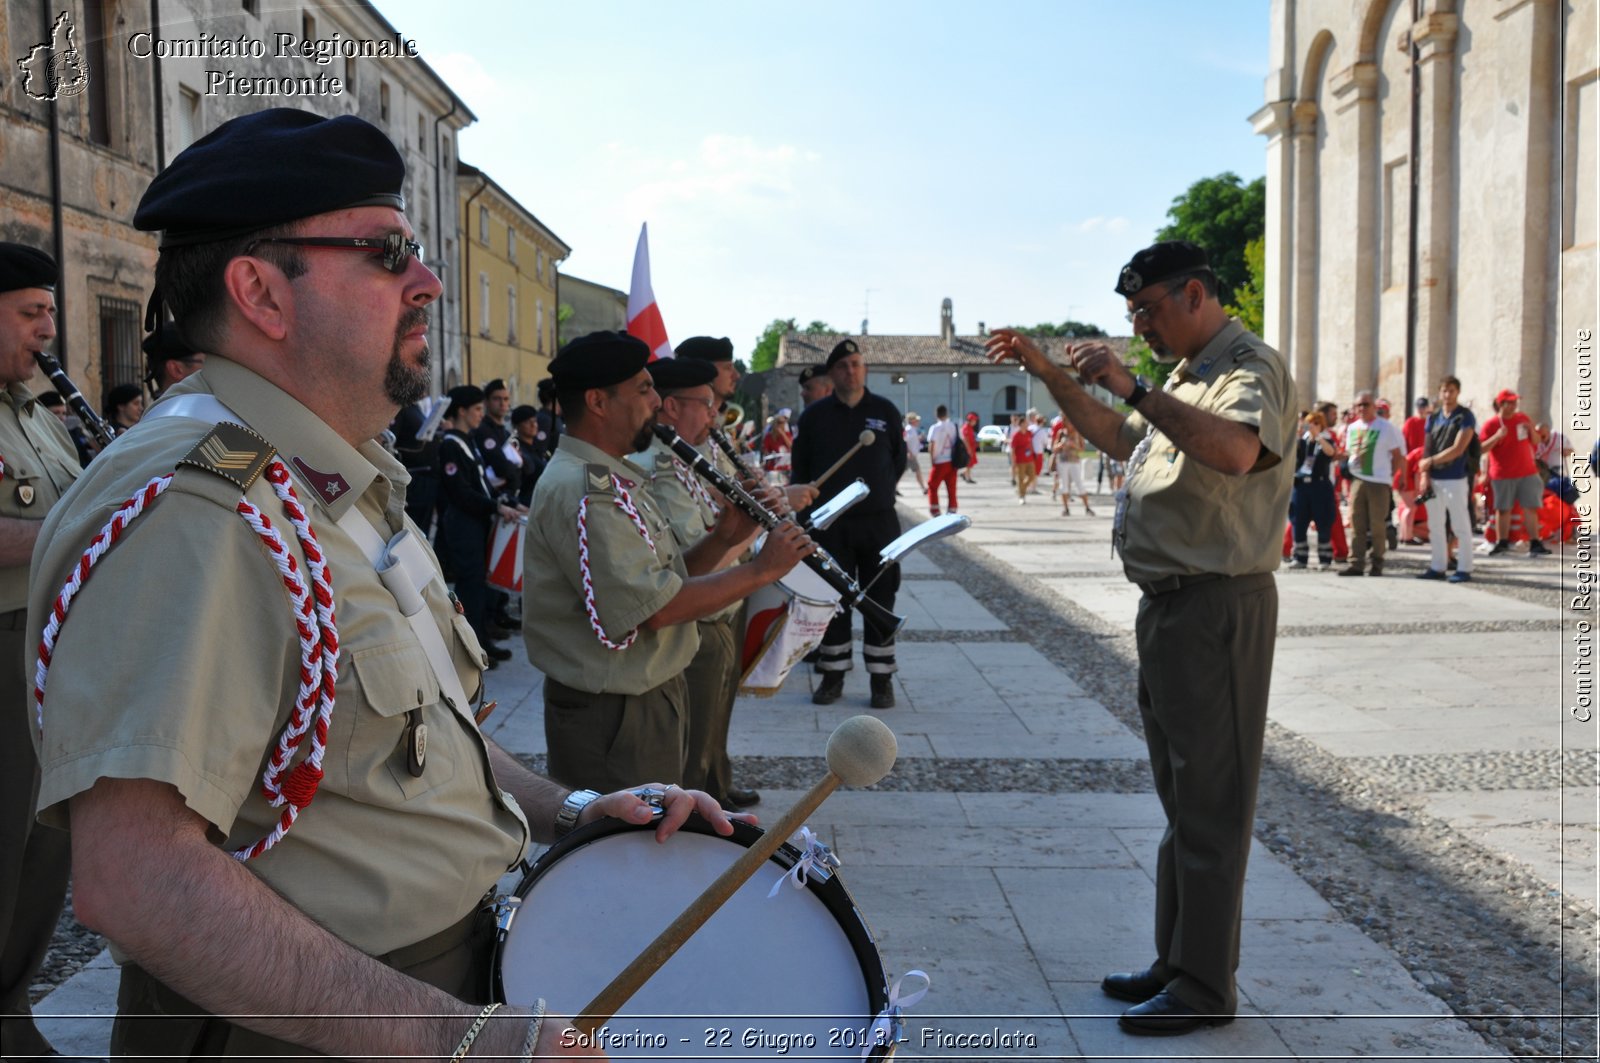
1184,518
688,511
179,662
631,581
41,462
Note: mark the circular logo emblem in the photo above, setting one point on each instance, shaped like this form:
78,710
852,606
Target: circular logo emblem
1131,281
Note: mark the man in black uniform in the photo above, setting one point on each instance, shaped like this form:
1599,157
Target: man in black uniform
168,358
548,417
502,463
829,427
525,428
467,506
420,457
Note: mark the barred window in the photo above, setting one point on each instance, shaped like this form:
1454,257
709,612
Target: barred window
119,343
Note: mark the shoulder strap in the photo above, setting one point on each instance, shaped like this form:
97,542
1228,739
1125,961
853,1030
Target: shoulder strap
401,562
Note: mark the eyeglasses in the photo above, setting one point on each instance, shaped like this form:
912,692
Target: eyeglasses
1142,313
710,404
396,250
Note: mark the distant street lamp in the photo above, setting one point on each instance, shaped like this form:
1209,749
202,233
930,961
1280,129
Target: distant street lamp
905,393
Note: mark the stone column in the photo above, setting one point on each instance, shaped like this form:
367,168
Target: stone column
1438,157
1273,122
1303,290
1355,88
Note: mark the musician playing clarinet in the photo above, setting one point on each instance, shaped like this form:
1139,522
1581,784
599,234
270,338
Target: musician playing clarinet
827,430
40,463
610,597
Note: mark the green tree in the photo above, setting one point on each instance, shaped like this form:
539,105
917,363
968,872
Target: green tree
1249,300
1068,329
1222,215
765,355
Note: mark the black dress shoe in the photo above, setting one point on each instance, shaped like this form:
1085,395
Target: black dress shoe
497,653
1164,1015
829,690
1138,987
738,798
882,692
507,621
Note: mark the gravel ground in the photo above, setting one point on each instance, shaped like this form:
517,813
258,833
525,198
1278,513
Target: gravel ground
1504,950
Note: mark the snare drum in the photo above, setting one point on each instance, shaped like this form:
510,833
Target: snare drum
795,974
505,554
783,622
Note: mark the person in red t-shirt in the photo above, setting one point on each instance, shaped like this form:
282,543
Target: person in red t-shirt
1509,443
1415,429
969,435
1023,472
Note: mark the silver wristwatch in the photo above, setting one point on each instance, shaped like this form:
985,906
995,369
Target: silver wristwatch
571,808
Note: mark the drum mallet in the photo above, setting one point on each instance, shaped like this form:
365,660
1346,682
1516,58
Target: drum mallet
861,751
866,439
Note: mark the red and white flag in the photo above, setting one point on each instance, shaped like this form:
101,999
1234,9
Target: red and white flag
644,317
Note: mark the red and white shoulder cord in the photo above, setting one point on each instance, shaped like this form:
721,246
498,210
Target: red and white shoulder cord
314,624
697,490
624,502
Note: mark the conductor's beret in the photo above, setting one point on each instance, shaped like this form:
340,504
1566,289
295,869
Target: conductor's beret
270,168
598,360
22,266
842,349
706,349
1157,263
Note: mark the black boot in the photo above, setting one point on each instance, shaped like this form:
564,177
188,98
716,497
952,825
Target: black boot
829,690
882,692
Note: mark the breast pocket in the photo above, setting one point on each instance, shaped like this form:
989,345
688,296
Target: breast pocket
396,695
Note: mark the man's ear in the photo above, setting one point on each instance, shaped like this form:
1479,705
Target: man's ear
260,293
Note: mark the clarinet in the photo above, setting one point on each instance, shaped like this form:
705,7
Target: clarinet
821,562
726,446
69,391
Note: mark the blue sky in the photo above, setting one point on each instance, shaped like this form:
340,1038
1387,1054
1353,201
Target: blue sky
1008,155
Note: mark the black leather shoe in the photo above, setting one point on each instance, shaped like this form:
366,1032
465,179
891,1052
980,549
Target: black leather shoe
507,621
882,692
1138,987
497,653
829,690
1164,1015
738,798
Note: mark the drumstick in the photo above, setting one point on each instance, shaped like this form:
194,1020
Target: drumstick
868,436
860,752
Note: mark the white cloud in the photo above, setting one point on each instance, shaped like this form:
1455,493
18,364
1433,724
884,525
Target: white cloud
727,172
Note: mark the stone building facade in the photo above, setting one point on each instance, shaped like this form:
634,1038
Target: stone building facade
508,287
1431,199
595,307
133,93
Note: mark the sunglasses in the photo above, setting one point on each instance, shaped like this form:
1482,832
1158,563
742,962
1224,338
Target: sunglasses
397,251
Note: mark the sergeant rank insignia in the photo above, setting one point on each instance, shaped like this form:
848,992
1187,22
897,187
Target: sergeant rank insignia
597,479
232,452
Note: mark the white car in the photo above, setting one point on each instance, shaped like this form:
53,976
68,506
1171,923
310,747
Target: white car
992,437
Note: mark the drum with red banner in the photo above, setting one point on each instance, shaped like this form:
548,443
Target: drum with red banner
505,554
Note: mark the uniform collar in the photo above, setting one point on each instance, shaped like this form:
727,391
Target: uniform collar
334,473
589,454
19,397
1202,364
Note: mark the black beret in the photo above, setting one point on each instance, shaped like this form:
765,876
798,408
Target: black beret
22,266
270,168
165,344
523,413
1158,262
811,372
598,360
842,349
463,396
546,389
671,374
706,349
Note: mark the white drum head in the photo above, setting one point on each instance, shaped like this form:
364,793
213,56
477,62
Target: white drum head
780,976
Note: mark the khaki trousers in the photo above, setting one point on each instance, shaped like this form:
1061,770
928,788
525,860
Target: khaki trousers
1369,516
1205,663
610,742
713,682
35,861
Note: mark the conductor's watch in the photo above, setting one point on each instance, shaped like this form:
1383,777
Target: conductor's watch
1137,395
571,808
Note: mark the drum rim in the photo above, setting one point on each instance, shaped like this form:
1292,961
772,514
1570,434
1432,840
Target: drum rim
832,892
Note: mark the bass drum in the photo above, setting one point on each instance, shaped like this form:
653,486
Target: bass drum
793,974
